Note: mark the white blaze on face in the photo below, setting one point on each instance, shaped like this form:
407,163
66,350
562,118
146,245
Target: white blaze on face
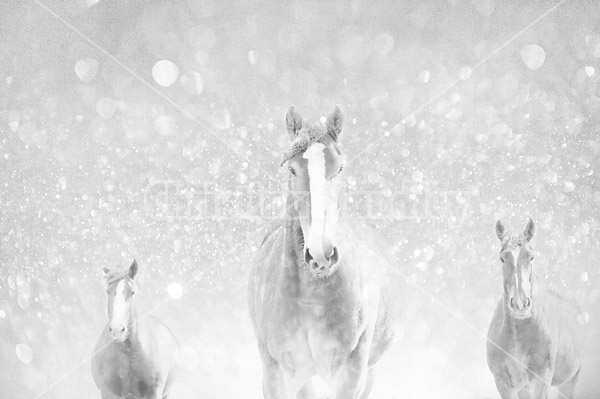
318,197
120,313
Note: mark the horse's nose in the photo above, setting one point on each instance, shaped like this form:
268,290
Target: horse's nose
321,263
519,304
116,330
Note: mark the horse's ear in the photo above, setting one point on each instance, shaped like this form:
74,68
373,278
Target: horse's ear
500,230
334,123
293,121
529,230
133,269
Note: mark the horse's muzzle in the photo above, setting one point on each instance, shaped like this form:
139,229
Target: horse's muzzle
118,333
519,308
321,266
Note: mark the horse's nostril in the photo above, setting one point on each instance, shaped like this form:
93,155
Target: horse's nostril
528,303
334,256
307,256
123,329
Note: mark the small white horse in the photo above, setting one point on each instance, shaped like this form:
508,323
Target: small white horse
133,358
533,340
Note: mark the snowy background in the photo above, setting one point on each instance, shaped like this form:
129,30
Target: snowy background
155,138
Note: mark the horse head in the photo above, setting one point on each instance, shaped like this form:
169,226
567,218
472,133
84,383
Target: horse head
516,256
120,288
314,162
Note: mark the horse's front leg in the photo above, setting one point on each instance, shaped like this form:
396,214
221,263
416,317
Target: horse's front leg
540,386
277,383
352,378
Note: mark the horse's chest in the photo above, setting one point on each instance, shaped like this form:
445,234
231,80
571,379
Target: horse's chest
522,363
132,374
314,348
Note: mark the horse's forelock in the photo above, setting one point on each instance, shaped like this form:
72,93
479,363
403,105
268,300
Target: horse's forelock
309,134
511,241
115,275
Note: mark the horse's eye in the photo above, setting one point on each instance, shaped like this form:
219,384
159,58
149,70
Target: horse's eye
292,171
502,260
532,257
341,168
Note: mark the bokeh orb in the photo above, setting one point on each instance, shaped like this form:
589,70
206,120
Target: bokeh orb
86,69
533,56
165,73
383,44
175,290
24,353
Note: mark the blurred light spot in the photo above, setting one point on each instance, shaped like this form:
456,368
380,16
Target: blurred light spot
533,56
568,187
26,132
383,44
593,43
222,119
109,185
252,57
549,106
589,71
106,107
550,176
584,277
24,353
88,3
428,253
321,388
422,266
86,69
165,73
164,125
424,76
2,314
175,290
197,275
583,318
465,73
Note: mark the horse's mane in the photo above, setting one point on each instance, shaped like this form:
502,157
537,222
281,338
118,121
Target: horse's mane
307,135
